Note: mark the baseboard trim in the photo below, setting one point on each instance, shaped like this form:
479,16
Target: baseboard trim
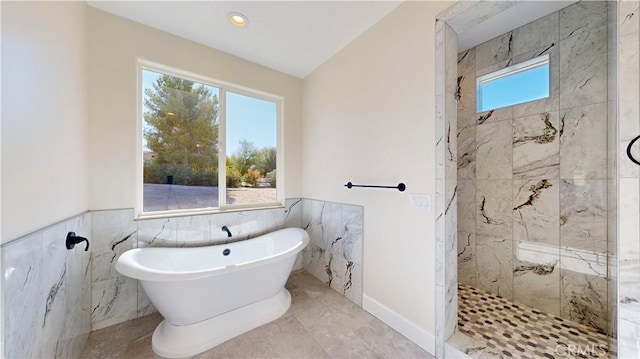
413,332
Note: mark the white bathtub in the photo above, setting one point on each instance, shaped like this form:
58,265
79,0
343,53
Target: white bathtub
207,297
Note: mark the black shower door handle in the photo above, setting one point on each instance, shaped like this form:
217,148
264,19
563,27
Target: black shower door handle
629,150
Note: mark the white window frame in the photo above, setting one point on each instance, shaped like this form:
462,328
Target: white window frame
509,71
223,88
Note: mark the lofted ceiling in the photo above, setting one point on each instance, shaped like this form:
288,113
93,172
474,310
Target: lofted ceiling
294,37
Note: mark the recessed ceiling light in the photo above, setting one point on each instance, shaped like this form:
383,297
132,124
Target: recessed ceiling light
238,20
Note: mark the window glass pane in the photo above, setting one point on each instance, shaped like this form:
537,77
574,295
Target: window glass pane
251,150
515,88
180,143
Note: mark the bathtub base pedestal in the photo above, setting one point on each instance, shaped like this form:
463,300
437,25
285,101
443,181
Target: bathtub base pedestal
173,341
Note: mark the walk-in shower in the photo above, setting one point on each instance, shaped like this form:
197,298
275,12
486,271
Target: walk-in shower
536,189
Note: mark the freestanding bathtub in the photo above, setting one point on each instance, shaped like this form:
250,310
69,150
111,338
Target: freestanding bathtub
208,295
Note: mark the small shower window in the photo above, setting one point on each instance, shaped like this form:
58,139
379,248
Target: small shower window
520,83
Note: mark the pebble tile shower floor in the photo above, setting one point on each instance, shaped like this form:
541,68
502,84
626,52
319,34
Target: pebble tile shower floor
497,328
320,324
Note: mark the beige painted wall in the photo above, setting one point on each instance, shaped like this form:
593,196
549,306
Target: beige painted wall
44,115
114,46
369,118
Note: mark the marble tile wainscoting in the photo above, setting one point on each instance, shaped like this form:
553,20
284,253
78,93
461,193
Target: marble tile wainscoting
47,292
333,256
54,297
532,178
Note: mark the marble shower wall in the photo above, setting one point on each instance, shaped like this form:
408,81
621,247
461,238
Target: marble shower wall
447,187
532,178
334,254
628,294
47,292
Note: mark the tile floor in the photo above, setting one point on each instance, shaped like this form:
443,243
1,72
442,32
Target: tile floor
320,324
489,326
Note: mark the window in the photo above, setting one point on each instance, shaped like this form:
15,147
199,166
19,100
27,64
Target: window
205,144
524,82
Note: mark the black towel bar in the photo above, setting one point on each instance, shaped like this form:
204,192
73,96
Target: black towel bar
400,187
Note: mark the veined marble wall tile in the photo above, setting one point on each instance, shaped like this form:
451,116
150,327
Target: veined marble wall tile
612,300
341,278
334,254
440,157
630,229
451,254
536,211
467,61
293,212
331,221
628,339
551,103
629,298
243,225
536,276
495,50
466,206
494,262
114,301
451,107
536,35
315,260
466,92
22,289
583,215
160,232
613,257
583,68
494,151
114,232
583,142
351,245
581,17
629,11
314,228
467,269
45,290
492,116
494,208
352,287
628,96
307,208
193,231
536,146
451,292
232,220
78,319
55,282
583,298
467,153
481,71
